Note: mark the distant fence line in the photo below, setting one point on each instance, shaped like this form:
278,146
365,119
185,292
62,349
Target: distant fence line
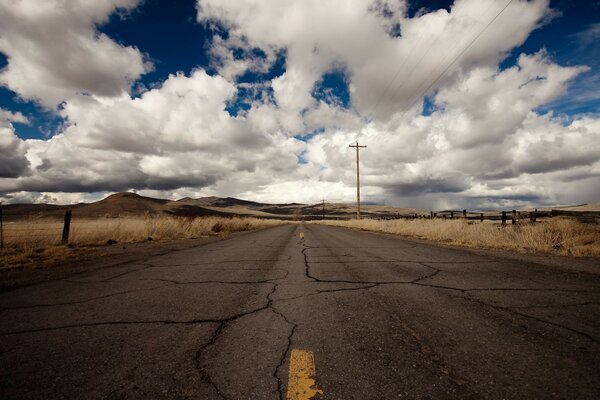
57,223
503,216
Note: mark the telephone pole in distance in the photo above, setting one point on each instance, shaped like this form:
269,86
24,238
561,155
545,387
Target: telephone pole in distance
357,147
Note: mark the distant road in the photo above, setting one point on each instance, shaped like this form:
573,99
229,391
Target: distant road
360,316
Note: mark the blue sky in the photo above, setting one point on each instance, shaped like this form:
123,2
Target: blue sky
271,82
166,31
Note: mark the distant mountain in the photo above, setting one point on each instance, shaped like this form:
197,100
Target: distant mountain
231,201
132,204
122,203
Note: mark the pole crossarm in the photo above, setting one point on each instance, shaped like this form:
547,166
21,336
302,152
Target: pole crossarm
357,147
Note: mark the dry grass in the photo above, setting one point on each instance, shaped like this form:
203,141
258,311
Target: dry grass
39,239
557,236
131,230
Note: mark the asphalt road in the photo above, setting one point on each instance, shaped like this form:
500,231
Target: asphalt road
383,317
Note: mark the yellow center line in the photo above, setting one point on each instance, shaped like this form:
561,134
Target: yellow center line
301,379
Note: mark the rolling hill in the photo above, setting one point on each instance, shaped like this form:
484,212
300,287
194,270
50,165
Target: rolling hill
132,204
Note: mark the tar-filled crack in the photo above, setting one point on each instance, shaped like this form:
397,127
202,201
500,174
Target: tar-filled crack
69,303
183,283
200,264
306,266
466,291
169,282
514,311
108,323
284,354
365,282
217,333
552,306
204,375
433,274
324,291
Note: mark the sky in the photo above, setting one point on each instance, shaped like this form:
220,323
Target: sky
474,104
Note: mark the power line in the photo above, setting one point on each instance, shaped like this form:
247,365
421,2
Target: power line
456,58
425,53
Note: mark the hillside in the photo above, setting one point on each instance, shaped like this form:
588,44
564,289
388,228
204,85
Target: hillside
132,204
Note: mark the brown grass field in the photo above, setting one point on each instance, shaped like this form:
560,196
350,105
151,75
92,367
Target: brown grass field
560,236
35,240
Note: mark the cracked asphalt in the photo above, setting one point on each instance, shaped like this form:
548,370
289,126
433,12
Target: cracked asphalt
385,317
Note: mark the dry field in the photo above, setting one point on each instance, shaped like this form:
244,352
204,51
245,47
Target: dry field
38,239
560,236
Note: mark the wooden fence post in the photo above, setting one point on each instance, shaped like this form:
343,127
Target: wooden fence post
514,217
451,214
503,217
464,213
532,215
481,217
66,227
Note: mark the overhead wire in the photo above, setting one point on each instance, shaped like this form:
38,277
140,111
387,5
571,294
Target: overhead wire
425,53
422,93
431,44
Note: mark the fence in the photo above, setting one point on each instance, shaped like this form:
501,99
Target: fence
513,216
33,227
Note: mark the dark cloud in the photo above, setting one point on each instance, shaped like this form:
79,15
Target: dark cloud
429,185
13,166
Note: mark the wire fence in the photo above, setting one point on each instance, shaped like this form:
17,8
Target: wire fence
50,227
504,217
25,228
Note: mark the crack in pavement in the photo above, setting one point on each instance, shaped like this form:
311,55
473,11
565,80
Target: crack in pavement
434,273
222,326
108,323
81,301
392,261
185,322
466,291
144,267
586,303
430,353
168,281
318,292
530,290
510,310
284,354
174,282
431,285
199,264
204,375
306,266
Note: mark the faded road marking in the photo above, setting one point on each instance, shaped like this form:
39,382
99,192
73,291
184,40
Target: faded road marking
301,380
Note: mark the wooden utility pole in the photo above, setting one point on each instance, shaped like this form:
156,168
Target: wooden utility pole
357,147
323,209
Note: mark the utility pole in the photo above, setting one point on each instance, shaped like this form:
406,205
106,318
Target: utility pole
357,147
323,209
